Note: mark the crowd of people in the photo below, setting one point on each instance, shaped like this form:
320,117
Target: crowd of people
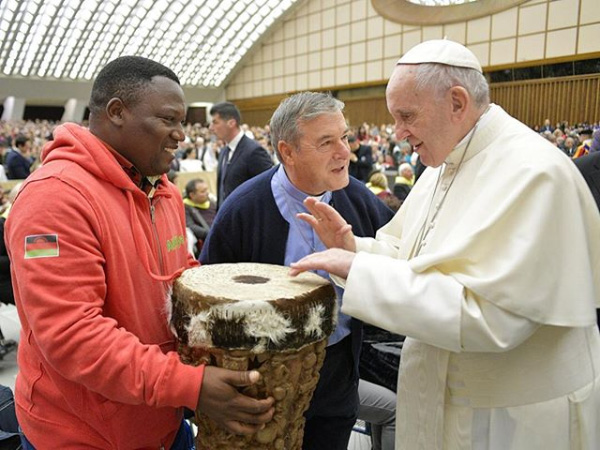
375,146
303,192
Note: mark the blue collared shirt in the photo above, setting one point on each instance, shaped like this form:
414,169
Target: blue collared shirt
302,239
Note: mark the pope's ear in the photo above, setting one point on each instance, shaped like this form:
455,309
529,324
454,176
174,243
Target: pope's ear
115,110
460,99
285,150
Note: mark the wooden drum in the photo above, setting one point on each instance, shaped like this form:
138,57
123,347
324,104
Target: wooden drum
255,316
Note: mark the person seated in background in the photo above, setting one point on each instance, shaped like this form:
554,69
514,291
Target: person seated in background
4,149
402,152
379,358
378,409
206,154
6,289
361,159
595,144
189,161
404,181
406,175
569,146
378,185
18,159
585,137
200,211
546,127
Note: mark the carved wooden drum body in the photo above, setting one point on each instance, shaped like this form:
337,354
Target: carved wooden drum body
248,316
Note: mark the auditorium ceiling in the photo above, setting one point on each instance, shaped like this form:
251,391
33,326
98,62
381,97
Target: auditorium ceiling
201,40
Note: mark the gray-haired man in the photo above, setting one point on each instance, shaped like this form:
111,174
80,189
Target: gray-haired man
258,223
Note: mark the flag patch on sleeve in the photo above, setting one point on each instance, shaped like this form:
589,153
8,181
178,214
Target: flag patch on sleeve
41,246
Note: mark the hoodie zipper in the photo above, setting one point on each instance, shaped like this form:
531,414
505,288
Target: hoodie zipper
155,233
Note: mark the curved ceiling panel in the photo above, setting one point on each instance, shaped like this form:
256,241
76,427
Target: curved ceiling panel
201,40
438,12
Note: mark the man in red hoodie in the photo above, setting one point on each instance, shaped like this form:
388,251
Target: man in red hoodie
96,237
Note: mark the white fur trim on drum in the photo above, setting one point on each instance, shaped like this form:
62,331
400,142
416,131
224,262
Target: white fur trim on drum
314,322
198,334
261,321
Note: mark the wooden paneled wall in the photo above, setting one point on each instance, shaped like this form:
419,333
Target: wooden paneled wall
258,111
574,99
258,118
371,110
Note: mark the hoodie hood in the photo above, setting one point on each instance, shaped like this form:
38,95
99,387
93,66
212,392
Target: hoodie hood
75,143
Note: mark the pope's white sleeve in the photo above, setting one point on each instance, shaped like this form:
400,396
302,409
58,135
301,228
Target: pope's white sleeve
486,327
370,245
367,244
430,306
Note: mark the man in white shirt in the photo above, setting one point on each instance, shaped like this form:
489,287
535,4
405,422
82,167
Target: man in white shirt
502,351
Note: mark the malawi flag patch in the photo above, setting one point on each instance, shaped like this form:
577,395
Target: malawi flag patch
41,246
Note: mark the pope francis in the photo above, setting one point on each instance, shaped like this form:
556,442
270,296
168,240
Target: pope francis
491,268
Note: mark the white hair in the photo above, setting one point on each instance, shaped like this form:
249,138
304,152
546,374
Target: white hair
441,77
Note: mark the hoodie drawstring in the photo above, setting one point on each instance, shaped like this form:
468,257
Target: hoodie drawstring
141,247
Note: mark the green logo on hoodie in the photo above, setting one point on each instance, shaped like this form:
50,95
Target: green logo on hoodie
175,242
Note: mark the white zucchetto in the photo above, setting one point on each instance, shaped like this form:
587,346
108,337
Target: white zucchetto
441,51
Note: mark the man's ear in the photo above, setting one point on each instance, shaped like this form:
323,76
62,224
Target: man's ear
460,100
286,150
115,110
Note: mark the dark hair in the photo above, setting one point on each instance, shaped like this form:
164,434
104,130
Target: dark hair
190,187
126,78
21,140
226,110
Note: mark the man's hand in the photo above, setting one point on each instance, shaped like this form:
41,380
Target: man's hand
331,227
334,261
222,402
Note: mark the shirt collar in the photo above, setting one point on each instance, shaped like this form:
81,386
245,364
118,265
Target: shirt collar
285,186
235,141
146,184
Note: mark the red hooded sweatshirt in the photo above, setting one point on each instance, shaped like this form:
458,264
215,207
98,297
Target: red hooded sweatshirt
93,257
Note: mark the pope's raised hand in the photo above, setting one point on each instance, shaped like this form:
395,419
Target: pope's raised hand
331,227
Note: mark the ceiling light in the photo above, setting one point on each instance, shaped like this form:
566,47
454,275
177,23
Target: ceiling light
202,39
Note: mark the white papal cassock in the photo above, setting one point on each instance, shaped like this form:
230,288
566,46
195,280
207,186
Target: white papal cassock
498,303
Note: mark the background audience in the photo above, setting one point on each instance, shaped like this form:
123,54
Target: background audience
387,154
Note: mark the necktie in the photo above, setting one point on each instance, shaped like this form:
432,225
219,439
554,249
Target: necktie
223,169
224,161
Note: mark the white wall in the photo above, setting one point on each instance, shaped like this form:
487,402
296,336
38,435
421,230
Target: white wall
334,43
